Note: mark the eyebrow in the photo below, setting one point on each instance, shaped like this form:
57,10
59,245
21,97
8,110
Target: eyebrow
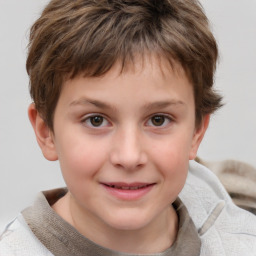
86,101
147,106
163,104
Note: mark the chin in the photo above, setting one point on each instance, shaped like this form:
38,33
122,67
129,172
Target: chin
128,222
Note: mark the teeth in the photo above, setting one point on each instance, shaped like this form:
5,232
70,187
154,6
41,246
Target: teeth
127,188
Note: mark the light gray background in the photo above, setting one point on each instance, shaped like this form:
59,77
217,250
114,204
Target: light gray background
231,135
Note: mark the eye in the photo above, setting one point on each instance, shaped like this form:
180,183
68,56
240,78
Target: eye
159,121
96,121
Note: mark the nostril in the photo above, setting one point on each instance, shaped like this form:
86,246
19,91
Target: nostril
127,151
128,161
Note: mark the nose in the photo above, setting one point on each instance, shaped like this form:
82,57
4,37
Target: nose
128,150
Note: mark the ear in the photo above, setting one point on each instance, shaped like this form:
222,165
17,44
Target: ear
198,136
43,134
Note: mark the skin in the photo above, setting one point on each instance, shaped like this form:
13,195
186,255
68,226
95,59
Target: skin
137,127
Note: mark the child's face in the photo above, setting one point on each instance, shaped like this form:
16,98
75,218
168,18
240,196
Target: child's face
124,142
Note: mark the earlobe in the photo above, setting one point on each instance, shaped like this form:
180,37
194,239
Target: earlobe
43,134
198,136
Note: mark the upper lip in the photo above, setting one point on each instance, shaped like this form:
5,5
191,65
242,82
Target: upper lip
124,185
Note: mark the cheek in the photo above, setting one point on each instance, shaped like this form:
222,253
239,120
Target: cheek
174,170
173,165
172,160
80,159
174,151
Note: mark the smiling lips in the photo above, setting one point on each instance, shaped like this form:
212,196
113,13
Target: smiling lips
125,191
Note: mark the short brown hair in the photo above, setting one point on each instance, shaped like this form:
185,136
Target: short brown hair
90,36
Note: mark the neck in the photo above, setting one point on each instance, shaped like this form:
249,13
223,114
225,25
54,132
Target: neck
154,238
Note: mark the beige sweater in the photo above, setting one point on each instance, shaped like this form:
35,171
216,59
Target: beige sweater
40,231
238,178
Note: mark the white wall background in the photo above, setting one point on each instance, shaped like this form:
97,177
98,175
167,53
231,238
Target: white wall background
232,133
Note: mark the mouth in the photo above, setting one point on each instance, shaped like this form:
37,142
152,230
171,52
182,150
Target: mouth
128,191
124,186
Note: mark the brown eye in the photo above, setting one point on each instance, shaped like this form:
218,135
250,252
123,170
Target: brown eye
158,120
96,121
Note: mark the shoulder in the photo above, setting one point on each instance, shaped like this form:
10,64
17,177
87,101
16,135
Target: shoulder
225,229
18,239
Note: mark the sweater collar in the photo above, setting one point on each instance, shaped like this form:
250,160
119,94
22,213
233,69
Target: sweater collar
62,239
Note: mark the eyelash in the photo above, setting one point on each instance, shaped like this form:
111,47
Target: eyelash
87,120
167,119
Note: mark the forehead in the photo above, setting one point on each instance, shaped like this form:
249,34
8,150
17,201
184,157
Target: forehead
151,77
154,63
142,88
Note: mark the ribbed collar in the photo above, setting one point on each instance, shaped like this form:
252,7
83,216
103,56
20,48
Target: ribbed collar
62,239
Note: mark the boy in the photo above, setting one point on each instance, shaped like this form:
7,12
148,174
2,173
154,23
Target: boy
122,95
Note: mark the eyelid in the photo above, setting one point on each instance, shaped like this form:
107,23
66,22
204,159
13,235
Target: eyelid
88,116
167,116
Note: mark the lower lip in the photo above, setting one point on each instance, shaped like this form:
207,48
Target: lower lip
127,194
